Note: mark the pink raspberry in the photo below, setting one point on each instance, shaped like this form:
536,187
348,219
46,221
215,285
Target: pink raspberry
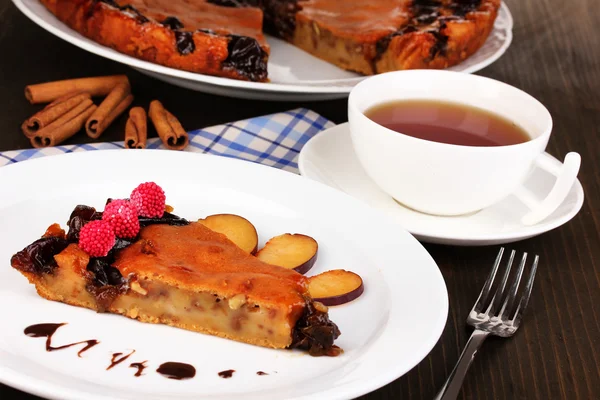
149,200
122,217
96,238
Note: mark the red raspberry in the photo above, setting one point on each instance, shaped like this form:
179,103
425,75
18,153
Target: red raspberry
122,217
149,200
96,238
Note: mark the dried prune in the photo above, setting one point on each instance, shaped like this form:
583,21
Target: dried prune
173,23
38,257
383,43
185,42
80,216
134,12
462,7
167,219
104,274
280,17
441,42
315,332
247,57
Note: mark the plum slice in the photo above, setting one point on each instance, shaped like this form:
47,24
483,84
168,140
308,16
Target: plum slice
237,229
335,287
297,252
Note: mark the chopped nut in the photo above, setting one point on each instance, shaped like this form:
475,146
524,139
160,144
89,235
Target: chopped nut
148,247
316,28
237,301
320,306
136,287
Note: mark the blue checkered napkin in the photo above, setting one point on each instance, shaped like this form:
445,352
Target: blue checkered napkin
274,140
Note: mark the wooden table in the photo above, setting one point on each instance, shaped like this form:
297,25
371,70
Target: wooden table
555,56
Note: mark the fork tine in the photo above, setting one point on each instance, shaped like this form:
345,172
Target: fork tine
485,291
518,315
500,290
512,293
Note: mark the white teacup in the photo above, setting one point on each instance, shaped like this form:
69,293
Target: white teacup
445,179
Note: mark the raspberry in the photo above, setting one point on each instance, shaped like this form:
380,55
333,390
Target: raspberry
149,200
122,217
96,238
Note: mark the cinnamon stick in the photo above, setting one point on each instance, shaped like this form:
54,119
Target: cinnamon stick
113,105
65,126
136,129
52,112
50,91
169,129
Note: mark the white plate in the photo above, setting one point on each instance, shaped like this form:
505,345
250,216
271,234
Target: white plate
329,158
294,74
384,333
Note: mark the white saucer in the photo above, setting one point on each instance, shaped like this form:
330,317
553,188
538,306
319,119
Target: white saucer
330,159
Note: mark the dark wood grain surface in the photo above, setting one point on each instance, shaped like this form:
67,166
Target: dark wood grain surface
555,56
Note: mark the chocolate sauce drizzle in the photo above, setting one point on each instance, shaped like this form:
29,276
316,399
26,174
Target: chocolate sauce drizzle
177,370
141,366
226,374
48,330
118,358
170,370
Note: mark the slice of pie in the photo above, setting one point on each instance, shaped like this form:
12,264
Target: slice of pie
181,274
375,36
192,35
225,37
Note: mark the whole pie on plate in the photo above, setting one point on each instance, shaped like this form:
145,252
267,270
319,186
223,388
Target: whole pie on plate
179,273
225,37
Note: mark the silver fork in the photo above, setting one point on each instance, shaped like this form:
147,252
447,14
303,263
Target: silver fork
493,316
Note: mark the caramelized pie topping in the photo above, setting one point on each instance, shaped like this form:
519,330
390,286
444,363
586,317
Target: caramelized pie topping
195,258
201,15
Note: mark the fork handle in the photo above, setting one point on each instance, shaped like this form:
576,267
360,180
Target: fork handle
454,382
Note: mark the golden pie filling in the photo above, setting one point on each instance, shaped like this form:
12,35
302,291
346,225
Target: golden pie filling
184,275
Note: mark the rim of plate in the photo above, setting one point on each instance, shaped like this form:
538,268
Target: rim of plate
526,232
324,86
31,384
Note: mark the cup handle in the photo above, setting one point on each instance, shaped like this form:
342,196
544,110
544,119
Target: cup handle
566,174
